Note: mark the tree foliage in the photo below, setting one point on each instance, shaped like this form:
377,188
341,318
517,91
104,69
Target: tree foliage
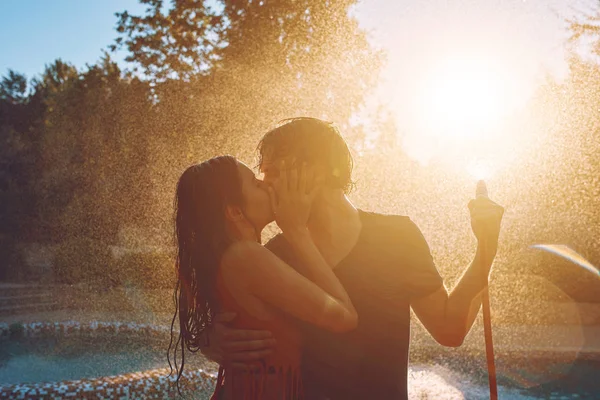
93,153
13,88
177,43
89,155
586,26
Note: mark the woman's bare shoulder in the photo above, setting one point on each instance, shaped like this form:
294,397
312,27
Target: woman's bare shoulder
243,253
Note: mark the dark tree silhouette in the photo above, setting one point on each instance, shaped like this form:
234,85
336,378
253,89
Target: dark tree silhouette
13,87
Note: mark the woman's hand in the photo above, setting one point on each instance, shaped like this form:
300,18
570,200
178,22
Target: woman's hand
292,195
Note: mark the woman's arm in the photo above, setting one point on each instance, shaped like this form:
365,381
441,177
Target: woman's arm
315,268
250,269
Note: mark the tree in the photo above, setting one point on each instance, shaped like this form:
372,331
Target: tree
262,59
20,129
13,88
285,59
95,147
587,26
267,60
177,44
88,152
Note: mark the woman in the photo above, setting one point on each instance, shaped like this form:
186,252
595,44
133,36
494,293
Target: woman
221,209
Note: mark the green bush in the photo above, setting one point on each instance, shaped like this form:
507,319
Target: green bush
151,270
82,260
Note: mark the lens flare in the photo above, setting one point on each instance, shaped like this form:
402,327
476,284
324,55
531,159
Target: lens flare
568,253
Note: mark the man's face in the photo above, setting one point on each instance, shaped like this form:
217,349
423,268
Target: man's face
270,167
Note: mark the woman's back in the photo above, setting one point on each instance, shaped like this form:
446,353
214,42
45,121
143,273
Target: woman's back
278,376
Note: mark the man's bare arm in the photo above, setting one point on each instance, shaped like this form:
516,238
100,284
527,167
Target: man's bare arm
449,317
237,348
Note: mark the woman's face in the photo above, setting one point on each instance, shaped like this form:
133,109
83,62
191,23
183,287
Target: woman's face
257,204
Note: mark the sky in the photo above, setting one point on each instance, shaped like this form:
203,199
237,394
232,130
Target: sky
36,32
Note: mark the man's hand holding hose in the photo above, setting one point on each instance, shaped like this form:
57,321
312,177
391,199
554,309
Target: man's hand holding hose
485,221
448,317
486,218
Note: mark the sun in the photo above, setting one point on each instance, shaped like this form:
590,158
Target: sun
462,113
463,97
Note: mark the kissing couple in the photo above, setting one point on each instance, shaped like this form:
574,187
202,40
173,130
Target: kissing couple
321,311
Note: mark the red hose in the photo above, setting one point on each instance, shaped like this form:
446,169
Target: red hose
487,331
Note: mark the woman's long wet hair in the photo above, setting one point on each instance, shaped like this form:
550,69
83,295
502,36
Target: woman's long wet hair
203,192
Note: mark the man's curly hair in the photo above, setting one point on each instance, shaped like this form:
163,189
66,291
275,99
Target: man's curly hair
313,141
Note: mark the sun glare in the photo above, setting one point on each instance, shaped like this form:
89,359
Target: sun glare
480,169
463,97
461,113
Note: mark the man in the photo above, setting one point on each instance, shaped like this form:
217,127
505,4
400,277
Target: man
385,265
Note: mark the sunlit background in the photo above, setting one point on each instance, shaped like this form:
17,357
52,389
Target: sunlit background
431,95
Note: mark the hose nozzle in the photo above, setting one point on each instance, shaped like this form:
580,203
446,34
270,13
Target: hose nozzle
481,190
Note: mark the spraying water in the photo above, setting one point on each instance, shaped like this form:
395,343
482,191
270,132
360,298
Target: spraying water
540,152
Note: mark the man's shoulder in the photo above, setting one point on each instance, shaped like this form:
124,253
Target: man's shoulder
376,220
398,237
276,242
378,216
399,231
379,226
279,246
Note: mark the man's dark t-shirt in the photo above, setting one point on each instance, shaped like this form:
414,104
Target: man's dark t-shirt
390,264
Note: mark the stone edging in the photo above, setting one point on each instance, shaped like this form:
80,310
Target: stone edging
148,384
35,329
